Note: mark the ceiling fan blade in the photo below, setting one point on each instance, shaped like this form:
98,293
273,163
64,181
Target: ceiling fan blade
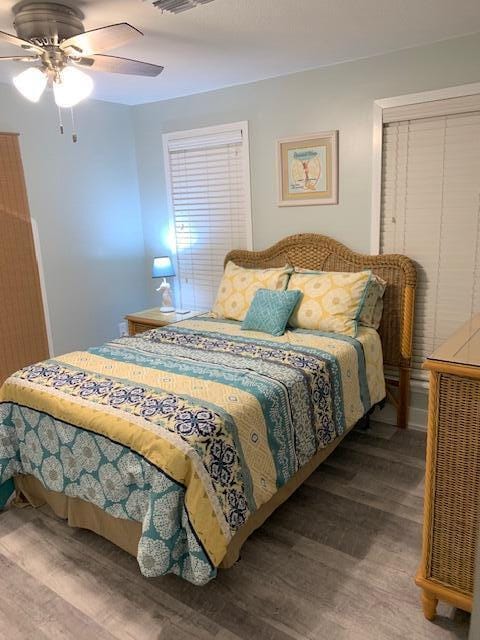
18,42
112,64
83,62
19,58
101,39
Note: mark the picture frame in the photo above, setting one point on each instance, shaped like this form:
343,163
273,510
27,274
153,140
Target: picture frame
308,169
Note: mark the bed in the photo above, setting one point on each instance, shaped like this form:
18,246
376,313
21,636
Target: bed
178,443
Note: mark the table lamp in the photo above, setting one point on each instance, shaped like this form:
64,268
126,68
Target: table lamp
163,268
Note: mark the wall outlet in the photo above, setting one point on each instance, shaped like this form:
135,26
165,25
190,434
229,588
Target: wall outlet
122,329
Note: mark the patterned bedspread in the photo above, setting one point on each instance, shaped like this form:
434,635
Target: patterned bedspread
186,429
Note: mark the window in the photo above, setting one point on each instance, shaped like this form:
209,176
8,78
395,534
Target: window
431,211
208,178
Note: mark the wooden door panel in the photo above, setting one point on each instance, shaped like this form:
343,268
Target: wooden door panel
23,334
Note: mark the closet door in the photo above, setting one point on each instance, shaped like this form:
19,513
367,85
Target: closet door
23,334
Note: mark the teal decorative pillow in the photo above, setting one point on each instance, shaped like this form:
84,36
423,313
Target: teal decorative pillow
372,309
270,310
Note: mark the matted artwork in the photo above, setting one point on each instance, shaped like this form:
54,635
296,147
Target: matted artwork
308,169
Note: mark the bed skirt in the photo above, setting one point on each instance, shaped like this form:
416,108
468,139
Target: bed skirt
126,533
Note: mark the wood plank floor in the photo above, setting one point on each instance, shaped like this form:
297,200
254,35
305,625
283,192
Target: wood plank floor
335,562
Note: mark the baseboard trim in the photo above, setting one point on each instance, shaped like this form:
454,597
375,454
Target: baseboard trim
417,418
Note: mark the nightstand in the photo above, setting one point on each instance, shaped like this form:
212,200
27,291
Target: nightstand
151,318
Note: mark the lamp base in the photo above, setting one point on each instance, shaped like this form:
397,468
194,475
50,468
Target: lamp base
167,309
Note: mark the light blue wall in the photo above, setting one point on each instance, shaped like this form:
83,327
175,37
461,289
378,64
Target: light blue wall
339,97
100,224
85,199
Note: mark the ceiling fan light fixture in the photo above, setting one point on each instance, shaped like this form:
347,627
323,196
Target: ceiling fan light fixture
52,35
31,83
73,87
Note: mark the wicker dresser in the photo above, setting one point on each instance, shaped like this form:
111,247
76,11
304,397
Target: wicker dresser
452,481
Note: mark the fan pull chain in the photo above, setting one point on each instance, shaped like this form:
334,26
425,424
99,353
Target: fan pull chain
60,120
62,128
74,133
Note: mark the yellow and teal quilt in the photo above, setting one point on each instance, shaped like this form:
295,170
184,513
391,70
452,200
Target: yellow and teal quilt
187,429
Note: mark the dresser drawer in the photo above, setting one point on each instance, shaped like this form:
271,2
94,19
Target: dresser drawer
456,482
138,327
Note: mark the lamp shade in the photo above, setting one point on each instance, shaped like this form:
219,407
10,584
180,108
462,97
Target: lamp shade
73,86
31,83
162,267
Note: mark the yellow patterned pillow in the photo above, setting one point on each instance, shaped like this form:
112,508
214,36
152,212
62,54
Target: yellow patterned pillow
332,301
239,285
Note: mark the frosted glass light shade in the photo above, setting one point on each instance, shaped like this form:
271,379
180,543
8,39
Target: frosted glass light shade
73,87
31,83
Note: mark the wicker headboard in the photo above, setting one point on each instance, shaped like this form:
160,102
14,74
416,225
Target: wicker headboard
317,252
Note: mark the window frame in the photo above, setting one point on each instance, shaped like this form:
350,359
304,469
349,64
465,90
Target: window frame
191,133
377,143
377,160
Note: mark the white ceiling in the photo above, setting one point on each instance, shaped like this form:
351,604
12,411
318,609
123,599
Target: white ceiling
231,42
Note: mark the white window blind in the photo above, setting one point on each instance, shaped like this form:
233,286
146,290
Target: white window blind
431,213
209,182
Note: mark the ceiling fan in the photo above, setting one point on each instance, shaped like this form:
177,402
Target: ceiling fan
54,41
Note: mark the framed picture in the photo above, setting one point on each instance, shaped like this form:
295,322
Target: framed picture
308,169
